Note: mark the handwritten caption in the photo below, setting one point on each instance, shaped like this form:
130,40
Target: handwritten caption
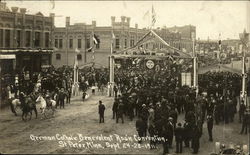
113,141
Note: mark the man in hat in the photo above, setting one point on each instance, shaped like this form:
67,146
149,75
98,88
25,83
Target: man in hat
210,122
179,138
120,111
170,131
101,112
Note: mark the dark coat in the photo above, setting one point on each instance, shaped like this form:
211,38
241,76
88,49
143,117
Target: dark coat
101,109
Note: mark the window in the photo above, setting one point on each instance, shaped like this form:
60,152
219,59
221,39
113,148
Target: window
27,36
56,43
37,39
87,42
79,43
58,56
125,43
79,57
98,46
117,43
47,39
60,43
18,38
45,60
1,38
70,43
132,42
7,38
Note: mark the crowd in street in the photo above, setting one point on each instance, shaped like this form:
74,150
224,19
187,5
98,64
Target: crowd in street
52,84
157,100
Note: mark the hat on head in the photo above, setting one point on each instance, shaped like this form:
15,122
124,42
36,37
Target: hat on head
144,105
170,118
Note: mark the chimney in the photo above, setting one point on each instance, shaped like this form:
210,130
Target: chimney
94,23
14,9
128,20
22,10
136,26
67,21
123,18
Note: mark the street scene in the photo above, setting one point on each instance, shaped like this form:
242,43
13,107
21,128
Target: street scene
144,78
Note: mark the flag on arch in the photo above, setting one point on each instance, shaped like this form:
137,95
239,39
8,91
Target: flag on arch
153,16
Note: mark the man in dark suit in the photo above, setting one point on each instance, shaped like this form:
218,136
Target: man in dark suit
179,138
101,112
210,123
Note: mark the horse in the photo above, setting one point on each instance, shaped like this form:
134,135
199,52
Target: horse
27,108
45,104
15,103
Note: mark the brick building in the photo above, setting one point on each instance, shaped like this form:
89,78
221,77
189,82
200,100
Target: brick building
25,39
186,43
79,35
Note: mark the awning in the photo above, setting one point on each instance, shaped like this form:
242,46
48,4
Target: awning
8,56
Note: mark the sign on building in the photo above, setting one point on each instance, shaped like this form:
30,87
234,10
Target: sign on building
186,79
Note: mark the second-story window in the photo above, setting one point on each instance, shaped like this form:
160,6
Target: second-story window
46,39
1,38
18,38
70,43
79,57
7,38
117,43
37,39
87,42
79,43
56,43
60,43
27,38
125,43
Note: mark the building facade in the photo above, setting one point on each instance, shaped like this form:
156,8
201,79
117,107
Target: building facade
25,40
79,36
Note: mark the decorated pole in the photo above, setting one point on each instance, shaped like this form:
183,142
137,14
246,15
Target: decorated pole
195,76
111,67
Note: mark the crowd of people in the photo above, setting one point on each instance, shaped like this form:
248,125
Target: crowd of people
157,100
50,83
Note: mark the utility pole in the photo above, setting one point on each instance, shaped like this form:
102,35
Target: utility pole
195,76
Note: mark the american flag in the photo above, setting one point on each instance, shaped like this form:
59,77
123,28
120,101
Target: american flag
153,16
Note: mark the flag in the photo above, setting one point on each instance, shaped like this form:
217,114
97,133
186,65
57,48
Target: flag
52,3
113,35
77,50
89,49
96,40
146,15
153,16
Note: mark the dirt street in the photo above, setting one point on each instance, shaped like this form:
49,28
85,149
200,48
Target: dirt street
82,118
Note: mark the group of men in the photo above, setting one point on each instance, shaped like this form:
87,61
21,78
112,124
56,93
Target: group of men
158,99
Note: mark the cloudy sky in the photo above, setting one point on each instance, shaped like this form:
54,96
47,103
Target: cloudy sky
210,17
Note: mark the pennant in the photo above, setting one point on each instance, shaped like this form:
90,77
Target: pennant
77,50
89,49
95,40
153,16
113,35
